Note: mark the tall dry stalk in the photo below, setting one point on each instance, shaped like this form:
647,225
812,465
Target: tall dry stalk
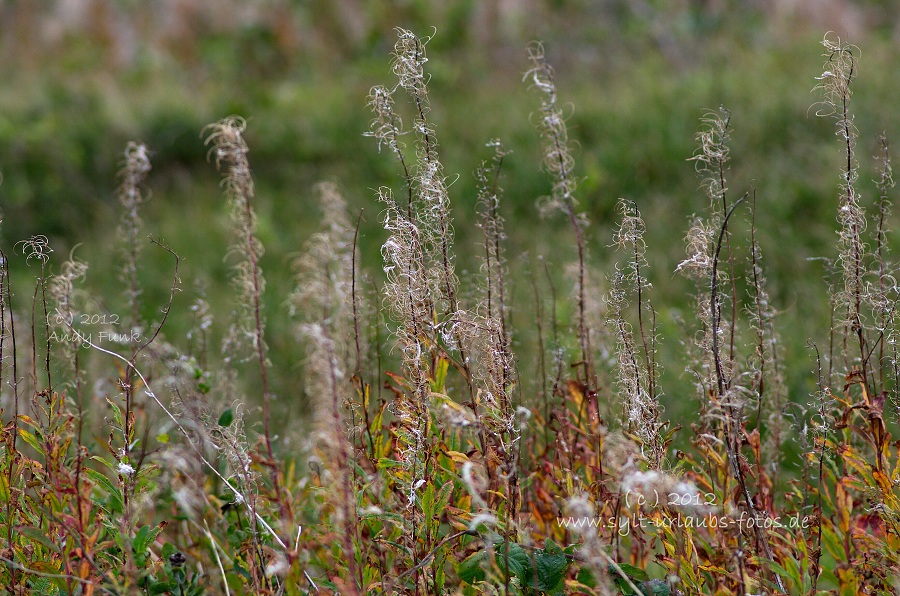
836,80
324,300
248,328
133,173
768,384
637,367
560,165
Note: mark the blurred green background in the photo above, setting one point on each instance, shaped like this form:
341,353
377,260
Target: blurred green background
83,77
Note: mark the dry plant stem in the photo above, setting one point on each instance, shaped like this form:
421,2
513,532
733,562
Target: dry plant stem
648,355
649,351
760,338
33,344
711,158
322,334
418,92
491,223
837,84
850,200
880,250
168,308
557,349
739,556
351,519
354,301
215,549
363,387
129,374
231,148
46,325
628,358
79,398
732,425
493,248
378,360
387,127
885,279
831,323
263,369
733,322
582,323
542,361
6,304
558,161
619,571
635,366
411,304
133,173
34,338
817,552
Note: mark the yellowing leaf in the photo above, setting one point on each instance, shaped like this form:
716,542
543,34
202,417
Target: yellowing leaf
458,457
28,420
843,505
30,439
882,481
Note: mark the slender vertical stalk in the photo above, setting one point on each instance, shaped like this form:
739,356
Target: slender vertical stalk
821,438
559,163
6,308
732,422
230,151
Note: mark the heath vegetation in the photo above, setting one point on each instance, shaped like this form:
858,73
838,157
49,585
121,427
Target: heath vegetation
461,440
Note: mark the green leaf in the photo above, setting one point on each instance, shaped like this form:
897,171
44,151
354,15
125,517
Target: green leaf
791,572
117,413
145,537
140,539
226,418
242,571
427,501
443,497
163,587
518,561
634,573
551,564
655,587
30,439
105,462
114,496
439,578
385,463
586,577
440,375
471,569
38,536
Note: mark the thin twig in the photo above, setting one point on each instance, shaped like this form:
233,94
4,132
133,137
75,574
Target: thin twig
215,548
